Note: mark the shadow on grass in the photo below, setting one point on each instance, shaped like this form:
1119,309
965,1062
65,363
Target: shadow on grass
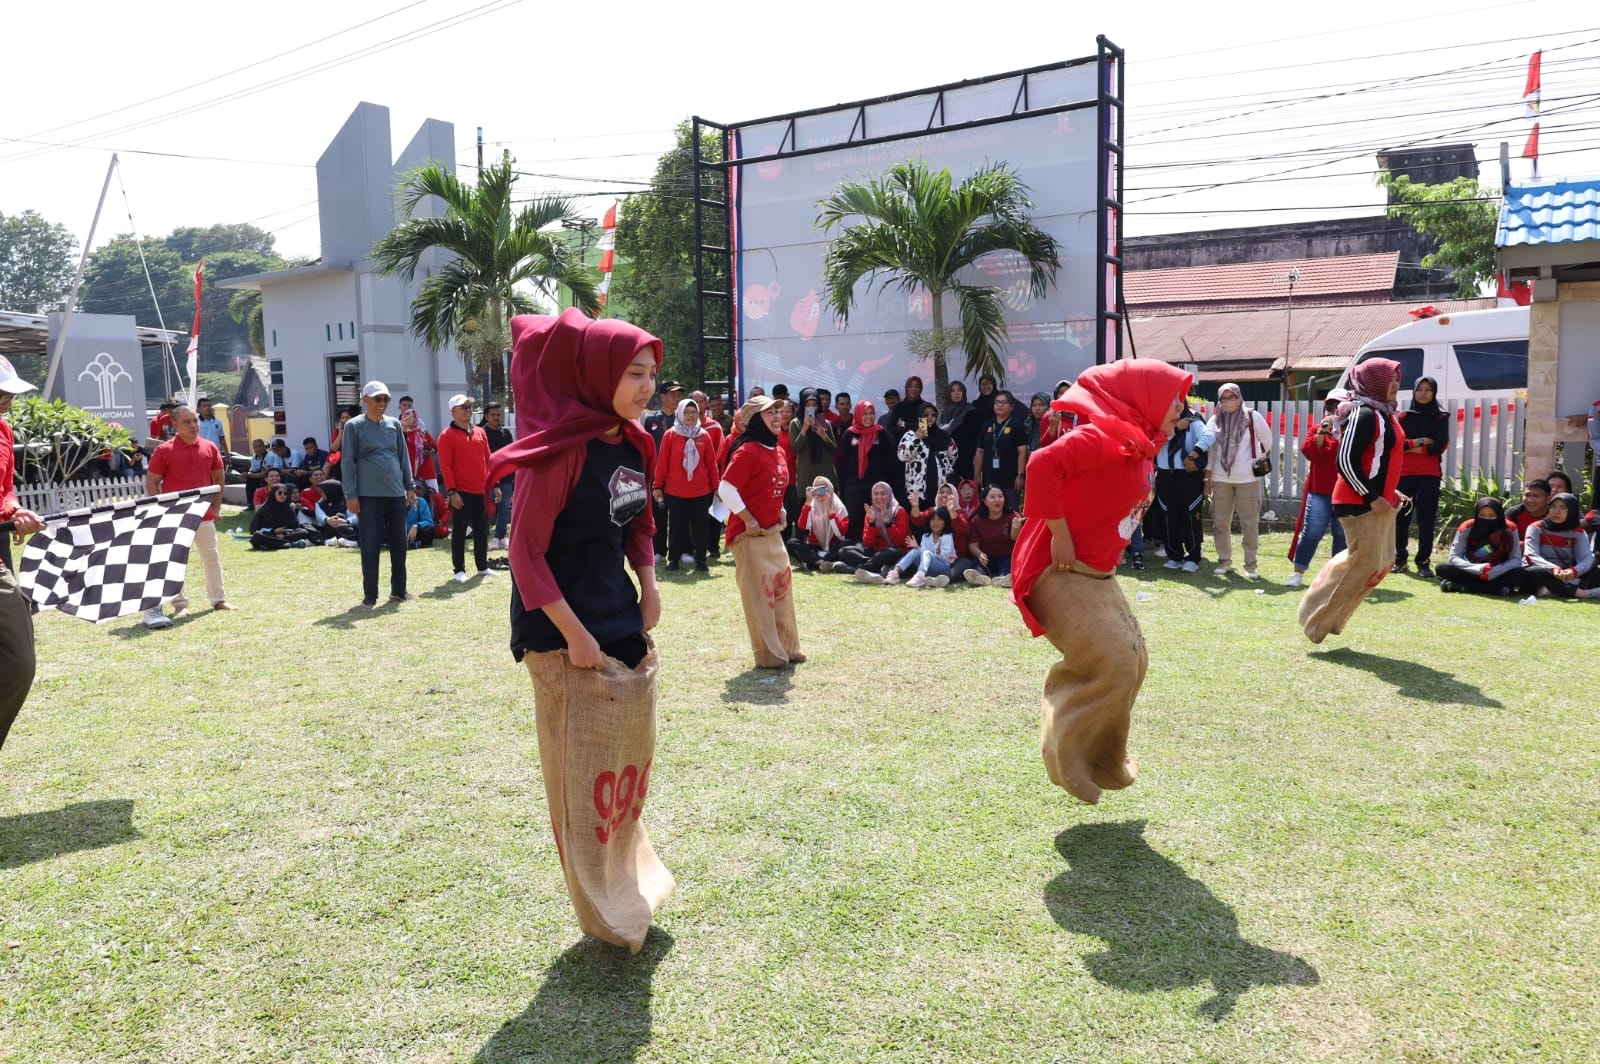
762,687
29,837
356,614
594,1004
1163,929
1410,679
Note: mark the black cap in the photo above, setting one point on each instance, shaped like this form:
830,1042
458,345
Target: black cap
671,386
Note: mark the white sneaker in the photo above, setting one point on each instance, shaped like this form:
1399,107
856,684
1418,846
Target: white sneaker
1251,574
154,618
866,576
1191,567
1222,570
460,577
892,576
1295,580
487,572
1160,552
939,581
660,558
1173,563
977,578
686,559
919,580
1002,581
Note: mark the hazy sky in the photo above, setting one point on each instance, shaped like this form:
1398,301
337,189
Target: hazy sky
592,100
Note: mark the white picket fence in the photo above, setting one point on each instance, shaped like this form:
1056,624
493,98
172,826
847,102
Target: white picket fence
54,498
1486,437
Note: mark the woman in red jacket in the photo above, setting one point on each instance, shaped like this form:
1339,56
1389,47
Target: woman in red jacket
752,488
885,536
1087,494
819,535
1316,503
686,478
1364,498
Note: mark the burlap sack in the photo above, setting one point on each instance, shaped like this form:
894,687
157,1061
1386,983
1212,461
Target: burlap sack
766,588
597,742
1089,693
1349,577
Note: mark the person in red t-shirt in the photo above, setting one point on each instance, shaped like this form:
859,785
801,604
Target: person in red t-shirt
752,489
17,661
1087,494
1321,449
183,462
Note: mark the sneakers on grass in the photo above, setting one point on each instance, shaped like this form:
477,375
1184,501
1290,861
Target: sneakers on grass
1191,567
919,579
867,576
154,618
1295,580
1173,563
460,577
977,578
939,581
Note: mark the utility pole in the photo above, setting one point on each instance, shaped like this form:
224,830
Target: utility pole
1288,329
480,153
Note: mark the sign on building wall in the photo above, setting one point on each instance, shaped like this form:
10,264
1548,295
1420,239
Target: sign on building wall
102,367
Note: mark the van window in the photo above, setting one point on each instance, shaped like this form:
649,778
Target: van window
1493,365
1410,359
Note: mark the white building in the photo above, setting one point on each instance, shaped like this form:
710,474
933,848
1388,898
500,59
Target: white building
335,324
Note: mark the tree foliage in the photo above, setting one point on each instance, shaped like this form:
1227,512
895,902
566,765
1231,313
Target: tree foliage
653,284
915,228
37,261
1459,216
500,256
56,441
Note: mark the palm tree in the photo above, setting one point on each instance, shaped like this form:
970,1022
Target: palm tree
501,255
917,231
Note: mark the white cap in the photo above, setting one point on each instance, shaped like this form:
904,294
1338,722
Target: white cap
459,399
373,388
9,381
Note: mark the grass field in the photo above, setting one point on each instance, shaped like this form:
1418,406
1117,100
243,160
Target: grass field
307,832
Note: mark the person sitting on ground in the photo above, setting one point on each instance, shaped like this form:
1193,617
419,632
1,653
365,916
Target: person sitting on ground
991,534
1556,556
887,533
311,494
932,558
273,478
947,498
419,516
1559,482
312,458
276,525
283,457
1486,556
819,534
1531,510
255,477
337,524
303,517
967,493
1321,449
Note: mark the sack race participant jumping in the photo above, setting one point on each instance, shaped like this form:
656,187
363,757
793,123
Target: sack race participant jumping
752,489
1364,498
1087,494
580,516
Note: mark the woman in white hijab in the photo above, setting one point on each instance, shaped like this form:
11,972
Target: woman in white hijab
820,531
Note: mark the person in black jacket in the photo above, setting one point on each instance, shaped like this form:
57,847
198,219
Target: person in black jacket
1427,429
961,420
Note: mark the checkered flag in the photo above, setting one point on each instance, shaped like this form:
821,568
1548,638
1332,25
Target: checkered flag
105,562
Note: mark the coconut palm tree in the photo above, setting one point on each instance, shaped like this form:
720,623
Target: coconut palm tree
501,255
914,228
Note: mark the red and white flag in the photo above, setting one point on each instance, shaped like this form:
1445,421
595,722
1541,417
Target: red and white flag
610,220
1530,150
1533,86
194,338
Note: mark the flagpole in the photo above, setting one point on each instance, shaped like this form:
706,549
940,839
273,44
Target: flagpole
77,282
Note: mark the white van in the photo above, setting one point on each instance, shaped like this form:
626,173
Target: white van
1473,354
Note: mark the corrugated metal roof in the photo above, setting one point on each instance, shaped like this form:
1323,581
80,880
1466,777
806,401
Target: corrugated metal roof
1323,338
1342,278
1550,212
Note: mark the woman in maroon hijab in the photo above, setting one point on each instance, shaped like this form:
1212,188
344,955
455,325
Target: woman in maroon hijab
581,516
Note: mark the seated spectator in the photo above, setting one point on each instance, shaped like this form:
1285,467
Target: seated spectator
929,563
1556,556
1486,556
441,508
282,457
990,536
1559,482
312,458
1531,510
276,525
255,478
419,517
819,533
303,516
274,477
946,498
967,493
886,532
334,520
311,494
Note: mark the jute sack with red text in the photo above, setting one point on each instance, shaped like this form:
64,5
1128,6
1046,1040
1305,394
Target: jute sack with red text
1349,576
1089,693
766,589
597,742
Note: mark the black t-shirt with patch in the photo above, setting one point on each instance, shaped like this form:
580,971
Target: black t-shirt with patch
586,553
1001,443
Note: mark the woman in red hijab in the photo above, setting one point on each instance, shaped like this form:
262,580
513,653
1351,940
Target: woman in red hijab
1087,494
866,456
1364,498
581,516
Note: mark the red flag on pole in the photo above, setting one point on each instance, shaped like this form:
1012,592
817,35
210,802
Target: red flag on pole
605,261
1530,150
610,220
1533,75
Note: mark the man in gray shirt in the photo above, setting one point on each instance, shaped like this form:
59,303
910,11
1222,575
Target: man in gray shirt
377,468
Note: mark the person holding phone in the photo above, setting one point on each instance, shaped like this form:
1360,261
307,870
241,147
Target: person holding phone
820,534
813,441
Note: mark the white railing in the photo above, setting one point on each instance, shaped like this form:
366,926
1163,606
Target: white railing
1486,437
54,498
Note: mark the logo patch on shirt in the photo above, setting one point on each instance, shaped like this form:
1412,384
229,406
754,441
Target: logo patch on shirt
628,495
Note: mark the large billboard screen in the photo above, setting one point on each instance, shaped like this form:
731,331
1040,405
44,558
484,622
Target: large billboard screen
785,166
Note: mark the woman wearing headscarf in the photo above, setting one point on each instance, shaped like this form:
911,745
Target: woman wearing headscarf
1364,498
1557,555
580,518
1427,429
812,439
685,478
1485,557
1087,493
866,456
963,424
752,489
1241,437
885,536
1045,424
820,534
276,523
